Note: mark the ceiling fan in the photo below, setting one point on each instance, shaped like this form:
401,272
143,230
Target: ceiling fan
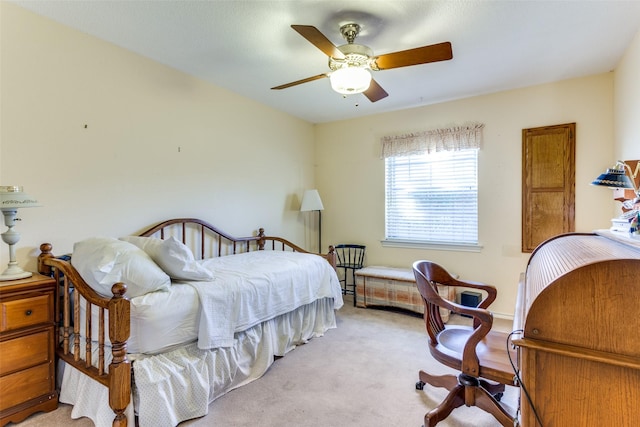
351,62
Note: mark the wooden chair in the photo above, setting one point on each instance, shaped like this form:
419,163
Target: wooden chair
479,353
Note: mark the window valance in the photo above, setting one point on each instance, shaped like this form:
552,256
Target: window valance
450,139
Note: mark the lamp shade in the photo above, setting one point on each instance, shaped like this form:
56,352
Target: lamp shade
311,201
350,80
614,177
13,197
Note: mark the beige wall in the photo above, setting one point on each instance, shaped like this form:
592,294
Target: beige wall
351,174
110,143
627,104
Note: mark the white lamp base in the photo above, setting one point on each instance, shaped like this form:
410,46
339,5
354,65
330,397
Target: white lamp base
14,273
11,237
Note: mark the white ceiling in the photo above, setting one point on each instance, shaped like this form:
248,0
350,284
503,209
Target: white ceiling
249,47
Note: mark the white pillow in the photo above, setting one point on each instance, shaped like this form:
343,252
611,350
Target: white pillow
173,256
103,261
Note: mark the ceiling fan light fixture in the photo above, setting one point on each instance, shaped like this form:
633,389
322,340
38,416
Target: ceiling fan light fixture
350,80
351,63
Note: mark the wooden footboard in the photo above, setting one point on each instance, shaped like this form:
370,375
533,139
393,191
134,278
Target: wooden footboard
76,350
205,240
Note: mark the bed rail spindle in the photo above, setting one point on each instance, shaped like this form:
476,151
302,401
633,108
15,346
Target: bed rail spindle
76,326
87,340
101,342
66,313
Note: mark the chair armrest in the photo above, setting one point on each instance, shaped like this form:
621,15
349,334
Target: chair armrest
479,313
482,324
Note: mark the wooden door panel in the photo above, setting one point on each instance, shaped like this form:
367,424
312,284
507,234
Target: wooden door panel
545,161
545,207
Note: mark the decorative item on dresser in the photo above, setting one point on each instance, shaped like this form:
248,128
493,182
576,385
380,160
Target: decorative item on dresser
577,312
27,332
139,306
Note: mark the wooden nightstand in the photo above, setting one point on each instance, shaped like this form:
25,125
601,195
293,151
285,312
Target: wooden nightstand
27,339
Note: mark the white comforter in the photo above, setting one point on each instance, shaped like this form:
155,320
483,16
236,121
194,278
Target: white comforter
257,286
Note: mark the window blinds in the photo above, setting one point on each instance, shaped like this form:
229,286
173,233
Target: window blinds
432,198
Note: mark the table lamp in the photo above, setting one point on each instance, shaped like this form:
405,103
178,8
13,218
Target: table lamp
13,198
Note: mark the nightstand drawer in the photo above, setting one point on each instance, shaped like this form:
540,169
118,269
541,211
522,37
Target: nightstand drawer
25,312
24,352
25,385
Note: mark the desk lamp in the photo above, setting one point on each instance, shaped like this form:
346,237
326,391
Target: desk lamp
617,178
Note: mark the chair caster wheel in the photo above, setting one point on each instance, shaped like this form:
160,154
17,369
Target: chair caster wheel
498,396
419,385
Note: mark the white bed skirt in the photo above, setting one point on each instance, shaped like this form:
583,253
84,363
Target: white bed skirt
179,385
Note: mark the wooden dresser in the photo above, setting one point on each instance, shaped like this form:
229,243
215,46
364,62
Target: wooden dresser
27,332
579,353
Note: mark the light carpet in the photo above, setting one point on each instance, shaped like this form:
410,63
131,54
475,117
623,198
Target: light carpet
361,374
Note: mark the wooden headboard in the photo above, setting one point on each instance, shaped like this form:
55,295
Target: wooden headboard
207,241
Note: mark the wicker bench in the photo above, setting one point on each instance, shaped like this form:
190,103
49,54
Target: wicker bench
393,287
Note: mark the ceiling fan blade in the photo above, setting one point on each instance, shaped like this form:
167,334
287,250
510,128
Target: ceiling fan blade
316,38
419,55
375,92
299,82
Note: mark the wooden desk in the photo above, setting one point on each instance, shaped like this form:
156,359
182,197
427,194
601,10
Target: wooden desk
579,355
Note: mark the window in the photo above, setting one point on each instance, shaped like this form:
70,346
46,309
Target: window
433,198
431,189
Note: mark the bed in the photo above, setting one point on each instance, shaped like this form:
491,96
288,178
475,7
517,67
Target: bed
154,327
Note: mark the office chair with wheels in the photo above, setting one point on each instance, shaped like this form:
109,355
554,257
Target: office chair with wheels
479,353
